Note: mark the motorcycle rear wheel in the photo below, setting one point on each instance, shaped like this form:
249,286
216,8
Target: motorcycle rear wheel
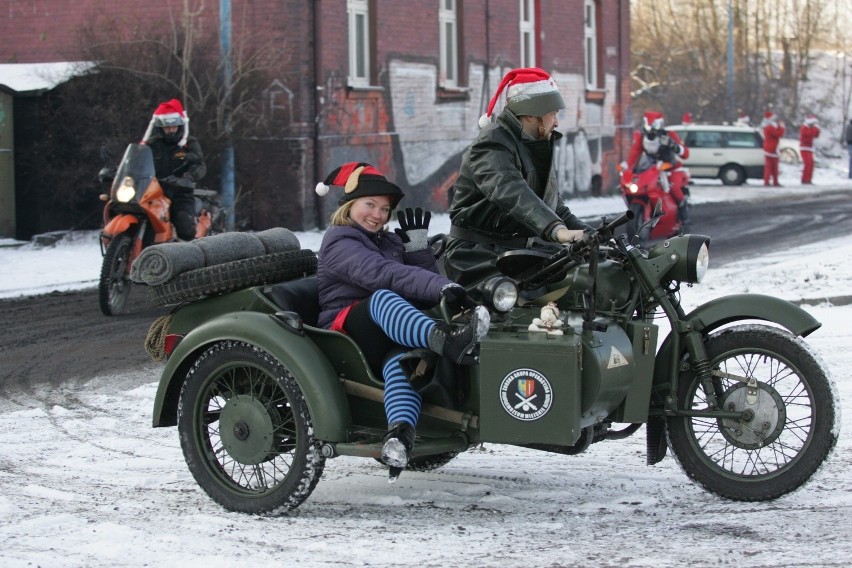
115,285
793,428
245,431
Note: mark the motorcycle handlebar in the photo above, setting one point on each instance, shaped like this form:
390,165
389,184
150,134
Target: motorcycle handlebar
602,233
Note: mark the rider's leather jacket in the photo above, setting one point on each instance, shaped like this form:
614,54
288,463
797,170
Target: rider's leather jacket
507,190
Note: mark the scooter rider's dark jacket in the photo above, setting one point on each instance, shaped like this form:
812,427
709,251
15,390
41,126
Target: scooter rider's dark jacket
505,193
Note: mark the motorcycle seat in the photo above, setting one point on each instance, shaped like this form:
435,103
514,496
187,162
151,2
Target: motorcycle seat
300,296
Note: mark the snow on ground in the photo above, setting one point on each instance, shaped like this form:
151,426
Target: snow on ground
85,481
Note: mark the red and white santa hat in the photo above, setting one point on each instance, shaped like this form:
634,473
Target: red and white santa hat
810,119
768,115
169,113
359,179
653,120
530,91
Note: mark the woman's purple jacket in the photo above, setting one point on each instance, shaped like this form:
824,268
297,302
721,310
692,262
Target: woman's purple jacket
353,263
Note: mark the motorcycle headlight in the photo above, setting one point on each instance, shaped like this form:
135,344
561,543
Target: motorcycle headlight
500,293
126,191
633,188
683,258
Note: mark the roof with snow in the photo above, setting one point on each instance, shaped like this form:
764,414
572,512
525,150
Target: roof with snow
34,78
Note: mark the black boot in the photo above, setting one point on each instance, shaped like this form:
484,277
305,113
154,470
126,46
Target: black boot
683,214
456,343
397,447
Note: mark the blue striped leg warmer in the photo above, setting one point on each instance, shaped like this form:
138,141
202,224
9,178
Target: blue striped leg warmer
408,327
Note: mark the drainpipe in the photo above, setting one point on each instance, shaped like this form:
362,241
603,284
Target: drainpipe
317,105
227,78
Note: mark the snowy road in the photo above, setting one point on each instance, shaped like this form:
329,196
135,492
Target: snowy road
85,481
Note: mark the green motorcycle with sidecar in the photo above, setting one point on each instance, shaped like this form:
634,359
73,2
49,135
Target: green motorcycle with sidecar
261,397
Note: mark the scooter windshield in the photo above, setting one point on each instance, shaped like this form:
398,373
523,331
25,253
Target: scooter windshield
138,163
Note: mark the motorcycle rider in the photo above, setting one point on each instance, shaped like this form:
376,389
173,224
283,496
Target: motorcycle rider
368,281
654,143
178,161
506,189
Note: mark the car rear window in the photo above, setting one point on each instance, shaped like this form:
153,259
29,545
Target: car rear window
708,139
742,140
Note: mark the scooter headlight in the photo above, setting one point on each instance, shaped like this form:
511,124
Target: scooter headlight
125,192
500,293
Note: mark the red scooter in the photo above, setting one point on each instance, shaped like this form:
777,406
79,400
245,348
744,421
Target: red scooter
136,215
641,192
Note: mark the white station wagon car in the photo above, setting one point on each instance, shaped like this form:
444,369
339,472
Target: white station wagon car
726,152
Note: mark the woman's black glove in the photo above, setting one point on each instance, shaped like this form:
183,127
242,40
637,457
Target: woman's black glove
456,296
414,228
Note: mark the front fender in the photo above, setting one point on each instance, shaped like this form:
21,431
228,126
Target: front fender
721,311
315,376
119,224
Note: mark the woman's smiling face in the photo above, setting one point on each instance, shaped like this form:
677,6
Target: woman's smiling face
371,212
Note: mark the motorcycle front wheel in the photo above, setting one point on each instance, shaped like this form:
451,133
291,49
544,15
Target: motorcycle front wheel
246,431
114,285
789,424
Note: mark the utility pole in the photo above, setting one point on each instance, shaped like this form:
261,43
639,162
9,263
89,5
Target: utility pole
730,105
227,78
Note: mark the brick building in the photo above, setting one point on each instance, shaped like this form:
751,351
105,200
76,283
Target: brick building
397,83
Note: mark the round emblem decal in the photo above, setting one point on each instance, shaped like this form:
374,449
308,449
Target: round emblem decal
526,394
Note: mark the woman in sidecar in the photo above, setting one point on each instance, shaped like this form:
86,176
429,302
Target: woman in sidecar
371,283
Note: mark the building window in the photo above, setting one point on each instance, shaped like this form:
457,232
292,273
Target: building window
590,43
448,23
528,55
359,43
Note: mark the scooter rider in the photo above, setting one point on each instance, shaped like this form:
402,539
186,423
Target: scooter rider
369,279
178,161
506,190
655,143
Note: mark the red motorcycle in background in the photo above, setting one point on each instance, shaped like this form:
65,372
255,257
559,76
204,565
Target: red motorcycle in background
642,190
136,215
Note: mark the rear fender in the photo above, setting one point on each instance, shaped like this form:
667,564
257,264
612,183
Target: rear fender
316,377
738,307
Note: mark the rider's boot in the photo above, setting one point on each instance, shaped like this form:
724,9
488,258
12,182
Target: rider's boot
396,450
456,343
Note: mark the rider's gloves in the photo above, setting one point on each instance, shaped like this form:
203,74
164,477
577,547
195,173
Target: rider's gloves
456,296
414,228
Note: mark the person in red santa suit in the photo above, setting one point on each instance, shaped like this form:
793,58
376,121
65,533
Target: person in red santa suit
807,133
654,143
773,130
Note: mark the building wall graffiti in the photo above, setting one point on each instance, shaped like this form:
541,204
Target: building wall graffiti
429,135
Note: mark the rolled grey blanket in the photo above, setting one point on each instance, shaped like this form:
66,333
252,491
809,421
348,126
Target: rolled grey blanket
160,263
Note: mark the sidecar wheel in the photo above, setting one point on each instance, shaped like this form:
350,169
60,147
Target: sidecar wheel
790,428
114,285
246,432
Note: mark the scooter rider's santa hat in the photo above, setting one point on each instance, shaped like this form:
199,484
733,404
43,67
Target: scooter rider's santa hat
530,91
169,113
360,179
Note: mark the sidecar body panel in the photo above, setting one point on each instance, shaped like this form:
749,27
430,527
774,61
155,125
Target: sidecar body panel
298,353
739,307
540,388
